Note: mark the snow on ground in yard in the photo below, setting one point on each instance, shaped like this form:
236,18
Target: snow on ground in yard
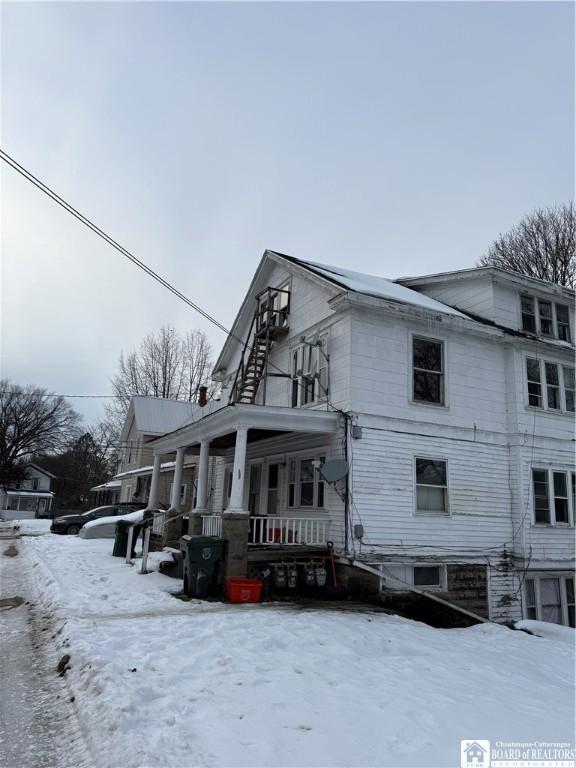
544,629
31,527
162,682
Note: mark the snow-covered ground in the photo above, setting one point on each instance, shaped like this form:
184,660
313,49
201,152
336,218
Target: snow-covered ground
162,682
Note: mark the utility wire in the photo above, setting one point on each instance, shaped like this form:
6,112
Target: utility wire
127,254
130,256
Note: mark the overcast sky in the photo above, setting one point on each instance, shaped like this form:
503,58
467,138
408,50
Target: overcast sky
391,138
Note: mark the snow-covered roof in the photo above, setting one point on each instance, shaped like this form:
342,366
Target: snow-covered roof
157,415
373,285
483,272
110,485
35,494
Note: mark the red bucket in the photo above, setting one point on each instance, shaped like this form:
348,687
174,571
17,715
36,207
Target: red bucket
243,590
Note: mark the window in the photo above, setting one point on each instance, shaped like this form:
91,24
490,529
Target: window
227,491
552,386
540,484
560,498
530,590
563,322
427,576
254,489
553,508
534,383
528,314
34,483
550,319
427,371
273,488
559,382
431,486
550,597
310,372
545,312
305,485
568,375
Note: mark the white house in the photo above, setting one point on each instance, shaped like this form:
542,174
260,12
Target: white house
28,498
450,397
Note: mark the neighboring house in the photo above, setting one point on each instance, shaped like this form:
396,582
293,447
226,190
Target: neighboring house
451,398
30,497
148,418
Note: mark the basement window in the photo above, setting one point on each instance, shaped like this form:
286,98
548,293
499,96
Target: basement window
427,576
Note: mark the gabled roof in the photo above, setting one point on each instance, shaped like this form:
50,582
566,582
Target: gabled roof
373,285
157,415
337,277
41,469
496,273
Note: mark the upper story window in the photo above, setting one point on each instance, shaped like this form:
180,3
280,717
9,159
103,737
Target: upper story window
550,385
545,318
310,372
553,493
431,485
34,483
428,370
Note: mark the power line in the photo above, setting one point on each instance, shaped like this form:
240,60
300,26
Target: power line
84,220
134,259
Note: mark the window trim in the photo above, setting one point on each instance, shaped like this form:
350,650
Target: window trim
536,300
536,578
299,349
550,472
443,578
298,458
444,373
544,407
430,513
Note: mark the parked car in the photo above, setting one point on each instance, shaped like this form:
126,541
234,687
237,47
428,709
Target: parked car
71,524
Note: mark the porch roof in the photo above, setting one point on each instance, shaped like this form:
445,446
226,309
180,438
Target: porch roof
263,422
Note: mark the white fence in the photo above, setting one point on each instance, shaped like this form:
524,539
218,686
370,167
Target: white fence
288,531
211,525
270,531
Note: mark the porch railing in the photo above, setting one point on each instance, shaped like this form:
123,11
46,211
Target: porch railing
211,525
288,531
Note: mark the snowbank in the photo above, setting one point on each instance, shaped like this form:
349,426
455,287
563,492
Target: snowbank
167,683
130,517
550,631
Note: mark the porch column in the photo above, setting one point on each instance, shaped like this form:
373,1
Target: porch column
202,489
177,482
153,495
237,492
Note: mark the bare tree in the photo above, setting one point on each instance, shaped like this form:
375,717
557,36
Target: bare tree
165,364
542,245
32,421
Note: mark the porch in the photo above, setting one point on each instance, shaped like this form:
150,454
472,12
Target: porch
269,493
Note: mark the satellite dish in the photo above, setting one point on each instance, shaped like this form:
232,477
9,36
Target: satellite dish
334,470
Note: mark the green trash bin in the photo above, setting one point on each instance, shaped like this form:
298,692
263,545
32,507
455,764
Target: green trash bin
121,538
201,556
